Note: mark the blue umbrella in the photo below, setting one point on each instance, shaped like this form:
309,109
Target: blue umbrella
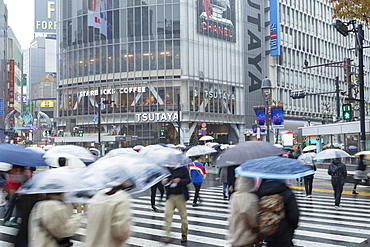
19,155
273,167
352,147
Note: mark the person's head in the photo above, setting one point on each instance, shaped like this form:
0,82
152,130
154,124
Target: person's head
62,161
362,157
196,157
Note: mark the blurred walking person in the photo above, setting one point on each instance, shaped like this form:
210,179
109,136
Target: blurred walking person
16,177
109,217
52,222
360,173
153,192
223,179
177,195
338,172
244,208
197,174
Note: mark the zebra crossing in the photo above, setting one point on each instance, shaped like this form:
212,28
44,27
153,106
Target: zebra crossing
320,224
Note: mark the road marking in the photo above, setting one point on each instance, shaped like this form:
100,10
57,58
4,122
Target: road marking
330,191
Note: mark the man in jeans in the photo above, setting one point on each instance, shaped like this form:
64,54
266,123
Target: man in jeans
338,172
177,195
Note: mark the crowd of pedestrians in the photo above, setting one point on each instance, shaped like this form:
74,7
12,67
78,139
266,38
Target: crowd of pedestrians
48,221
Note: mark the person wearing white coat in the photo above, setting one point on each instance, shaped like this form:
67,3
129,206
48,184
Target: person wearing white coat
51,221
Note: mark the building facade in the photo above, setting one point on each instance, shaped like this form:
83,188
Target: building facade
172,70
4,86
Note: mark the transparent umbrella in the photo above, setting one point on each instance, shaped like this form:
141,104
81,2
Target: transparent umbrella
78,151
200,150
167,157
57,180
331,154
71,160
141,172
120,151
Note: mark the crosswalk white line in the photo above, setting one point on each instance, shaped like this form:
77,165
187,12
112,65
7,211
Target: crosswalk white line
298,242
314,234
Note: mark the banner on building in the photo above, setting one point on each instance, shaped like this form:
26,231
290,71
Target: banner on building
1,107
45,16
261,116
274,28
277,116
216,18
100,16
11,81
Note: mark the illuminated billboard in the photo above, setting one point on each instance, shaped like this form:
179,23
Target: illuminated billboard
45,16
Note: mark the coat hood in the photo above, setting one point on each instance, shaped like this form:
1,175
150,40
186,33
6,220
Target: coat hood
336,161
272,186
245,184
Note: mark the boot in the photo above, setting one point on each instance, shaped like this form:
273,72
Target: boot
354,192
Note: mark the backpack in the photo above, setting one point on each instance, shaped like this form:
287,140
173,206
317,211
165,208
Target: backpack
272,211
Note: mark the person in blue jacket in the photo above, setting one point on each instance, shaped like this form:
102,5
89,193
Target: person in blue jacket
197,174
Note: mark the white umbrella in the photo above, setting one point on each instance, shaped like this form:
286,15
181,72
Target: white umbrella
365,153
120,151
307,158
168,157
78,151
278,146
206,138
71,160
200,150
331,154
37,150
5,166
212,144
309,148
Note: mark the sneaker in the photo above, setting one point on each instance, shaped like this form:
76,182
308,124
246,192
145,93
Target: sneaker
354,192
195,205
155,209
161,202
184,239
11,223
309,196
337,207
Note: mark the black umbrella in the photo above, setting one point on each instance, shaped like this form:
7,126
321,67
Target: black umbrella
247,151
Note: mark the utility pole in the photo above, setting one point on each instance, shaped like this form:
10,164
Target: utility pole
337,91
179,120
360,43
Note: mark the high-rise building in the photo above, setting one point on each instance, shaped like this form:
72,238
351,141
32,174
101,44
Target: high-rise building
161,63
5,105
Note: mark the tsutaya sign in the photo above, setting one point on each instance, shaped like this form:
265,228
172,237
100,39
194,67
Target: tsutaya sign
218,94
157,117
113,91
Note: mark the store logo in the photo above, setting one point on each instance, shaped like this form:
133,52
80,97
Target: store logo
157,117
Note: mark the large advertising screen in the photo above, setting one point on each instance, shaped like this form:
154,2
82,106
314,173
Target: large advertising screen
216,18
45,16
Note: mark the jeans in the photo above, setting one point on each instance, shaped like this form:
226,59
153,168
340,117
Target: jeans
9,210
338,189
308,180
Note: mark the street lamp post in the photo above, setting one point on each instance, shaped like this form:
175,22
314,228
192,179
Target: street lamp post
266,87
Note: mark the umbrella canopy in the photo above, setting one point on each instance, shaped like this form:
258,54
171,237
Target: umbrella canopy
58,180
5,166
167,157
307,158
37,150
206,138
78,151
200,150
18,155
273,168
71,160
331,154
365,153
120,151
278,146
247,151
309,148
352,147
141,172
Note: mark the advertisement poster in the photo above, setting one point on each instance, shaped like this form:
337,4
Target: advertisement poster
277,116
216,18
261,116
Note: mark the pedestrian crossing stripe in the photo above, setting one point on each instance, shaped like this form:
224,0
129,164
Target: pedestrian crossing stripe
329,191
320,224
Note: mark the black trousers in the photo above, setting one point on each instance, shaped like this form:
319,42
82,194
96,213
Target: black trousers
308,180
338,189
196,195
154,192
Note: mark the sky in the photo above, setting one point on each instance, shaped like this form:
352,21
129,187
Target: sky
21,19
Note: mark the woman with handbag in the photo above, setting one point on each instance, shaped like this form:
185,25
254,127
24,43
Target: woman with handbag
52,222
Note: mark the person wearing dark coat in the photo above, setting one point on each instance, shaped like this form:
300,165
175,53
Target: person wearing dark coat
338,172
359,173
284,235
231,179
177,194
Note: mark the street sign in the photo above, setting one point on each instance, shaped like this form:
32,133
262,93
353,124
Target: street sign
204,125
94,119
1,107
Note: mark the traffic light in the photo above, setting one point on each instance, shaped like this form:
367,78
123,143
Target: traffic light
347,75
162,132
80,133
347,111
341,27
108,101
298,95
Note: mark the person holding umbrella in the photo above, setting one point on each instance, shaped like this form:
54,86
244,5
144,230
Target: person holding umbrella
359,173
338,172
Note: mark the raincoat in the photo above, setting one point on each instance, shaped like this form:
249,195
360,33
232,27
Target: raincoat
244,206
109,219
57,219
338,172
